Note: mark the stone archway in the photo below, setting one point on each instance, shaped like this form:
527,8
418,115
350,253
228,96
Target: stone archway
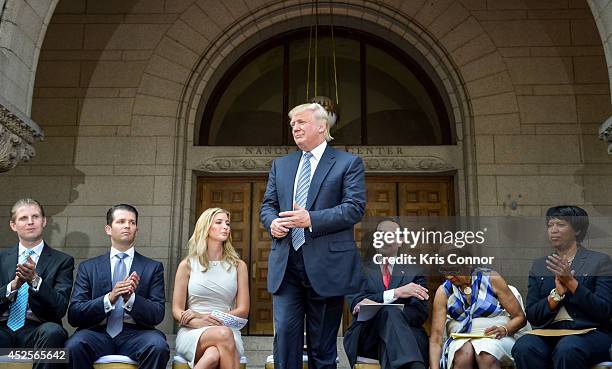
450,41
23,25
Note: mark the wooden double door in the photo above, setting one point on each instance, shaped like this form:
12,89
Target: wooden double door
242,196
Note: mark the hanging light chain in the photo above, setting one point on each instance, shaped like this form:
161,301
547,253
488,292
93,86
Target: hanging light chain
309,51
315,14
331,15
316,57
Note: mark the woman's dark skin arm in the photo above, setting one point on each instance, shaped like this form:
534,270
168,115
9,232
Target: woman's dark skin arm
509,302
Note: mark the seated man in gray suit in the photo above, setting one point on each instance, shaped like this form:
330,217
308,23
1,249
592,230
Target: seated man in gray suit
36,282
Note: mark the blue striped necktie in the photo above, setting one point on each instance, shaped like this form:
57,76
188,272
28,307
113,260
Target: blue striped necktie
301,196
114,325
17,314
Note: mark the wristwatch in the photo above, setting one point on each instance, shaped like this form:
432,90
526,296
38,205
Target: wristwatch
35,282
555,295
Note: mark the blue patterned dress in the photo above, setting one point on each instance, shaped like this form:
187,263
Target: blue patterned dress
482,311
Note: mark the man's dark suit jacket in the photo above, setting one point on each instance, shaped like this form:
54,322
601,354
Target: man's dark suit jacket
590,306
415,311
55,268
93,281
336,202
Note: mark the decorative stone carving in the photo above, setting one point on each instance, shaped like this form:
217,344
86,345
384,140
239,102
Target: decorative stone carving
17,134
241,164
605,133
236,164
406,164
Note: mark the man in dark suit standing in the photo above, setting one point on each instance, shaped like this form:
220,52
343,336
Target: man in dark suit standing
394,337
313,199
118,300
37,281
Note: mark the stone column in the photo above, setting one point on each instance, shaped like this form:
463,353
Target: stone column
17,134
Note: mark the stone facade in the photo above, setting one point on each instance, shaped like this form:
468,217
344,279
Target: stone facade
117,88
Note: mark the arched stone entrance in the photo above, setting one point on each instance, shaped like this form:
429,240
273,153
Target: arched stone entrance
192,161
267,20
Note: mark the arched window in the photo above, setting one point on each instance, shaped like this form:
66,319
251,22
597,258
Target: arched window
385,97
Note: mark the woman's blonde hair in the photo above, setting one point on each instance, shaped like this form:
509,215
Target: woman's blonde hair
198,243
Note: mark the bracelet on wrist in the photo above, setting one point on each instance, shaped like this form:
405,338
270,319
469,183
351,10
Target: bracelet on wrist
506,329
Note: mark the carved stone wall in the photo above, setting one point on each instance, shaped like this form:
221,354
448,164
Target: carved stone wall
605,133
17,134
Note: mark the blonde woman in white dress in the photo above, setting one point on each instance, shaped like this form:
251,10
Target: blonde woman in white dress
212,277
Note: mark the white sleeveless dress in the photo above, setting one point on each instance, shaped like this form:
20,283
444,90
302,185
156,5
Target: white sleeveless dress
214,289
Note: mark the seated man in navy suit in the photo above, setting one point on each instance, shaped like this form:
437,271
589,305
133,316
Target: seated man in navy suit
35,285
394,337
118,300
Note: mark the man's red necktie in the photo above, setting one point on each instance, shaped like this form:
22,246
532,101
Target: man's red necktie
386,276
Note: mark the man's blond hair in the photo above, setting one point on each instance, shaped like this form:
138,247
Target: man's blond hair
25,202
319,113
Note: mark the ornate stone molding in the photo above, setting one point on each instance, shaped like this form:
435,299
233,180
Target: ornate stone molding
236,164
259,162
605,133
17,134
406,164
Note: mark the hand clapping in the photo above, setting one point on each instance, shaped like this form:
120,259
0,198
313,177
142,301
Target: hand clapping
125,288
26,271
560,267
133,281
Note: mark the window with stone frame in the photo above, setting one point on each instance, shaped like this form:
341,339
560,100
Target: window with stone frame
385,97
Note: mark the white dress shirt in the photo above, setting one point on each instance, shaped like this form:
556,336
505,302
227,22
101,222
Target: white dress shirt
127,306
317,152
11,295
388,295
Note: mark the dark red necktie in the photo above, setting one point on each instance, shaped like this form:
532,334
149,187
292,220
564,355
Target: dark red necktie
386,276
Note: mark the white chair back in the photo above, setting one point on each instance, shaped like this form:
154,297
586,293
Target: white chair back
527,326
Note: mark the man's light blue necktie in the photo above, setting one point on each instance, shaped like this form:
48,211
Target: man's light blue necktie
301,196
17,313
114,325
